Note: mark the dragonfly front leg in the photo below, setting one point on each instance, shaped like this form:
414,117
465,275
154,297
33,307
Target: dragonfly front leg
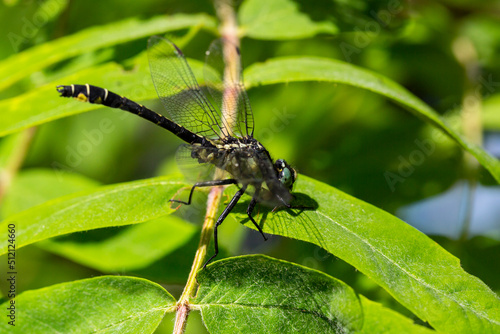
223,216
205,184
250,208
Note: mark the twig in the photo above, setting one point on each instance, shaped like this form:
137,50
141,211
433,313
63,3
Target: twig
228,30
15,160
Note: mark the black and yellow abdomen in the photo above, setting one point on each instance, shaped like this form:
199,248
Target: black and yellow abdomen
92,94
98,95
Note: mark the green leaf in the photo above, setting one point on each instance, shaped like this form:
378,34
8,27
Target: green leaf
379,319
419,273
151,240
278,19
134,248
22,112
258,294
35,186
44,104
290,69
107,304
25,63
115,205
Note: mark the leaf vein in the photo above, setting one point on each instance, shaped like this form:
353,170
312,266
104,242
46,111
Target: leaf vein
412,276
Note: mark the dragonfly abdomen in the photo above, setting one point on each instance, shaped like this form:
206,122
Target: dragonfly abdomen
98,95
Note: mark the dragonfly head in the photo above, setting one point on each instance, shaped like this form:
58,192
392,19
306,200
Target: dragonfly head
286,174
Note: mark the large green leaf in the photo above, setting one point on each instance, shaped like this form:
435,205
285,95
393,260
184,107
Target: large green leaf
378,319
278,19
419,273
134,248
44,104
151,240
258,294
107,304
25,63
34,186
114,205
290,69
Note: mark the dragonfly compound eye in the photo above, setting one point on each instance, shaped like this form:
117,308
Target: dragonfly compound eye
286,174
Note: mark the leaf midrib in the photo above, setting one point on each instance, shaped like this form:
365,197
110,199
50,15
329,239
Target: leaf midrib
260,306
111,191
88,198
420,280
138,315
128,318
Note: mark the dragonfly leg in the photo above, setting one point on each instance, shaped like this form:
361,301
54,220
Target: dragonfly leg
223,216
205,184
250,208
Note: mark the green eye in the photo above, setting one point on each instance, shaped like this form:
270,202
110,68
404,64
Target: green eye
286,174
286,177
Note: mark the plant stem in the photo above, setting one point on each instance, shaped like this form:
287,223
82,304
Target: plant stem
228,30
15,158
206,232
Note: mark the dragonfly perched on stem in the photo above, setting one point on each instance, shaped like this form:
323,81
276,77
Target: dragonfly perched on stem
218,134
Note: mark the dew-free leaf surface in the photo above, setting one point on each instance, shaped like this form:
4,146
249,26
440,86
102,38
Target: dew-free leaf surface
107,304
277,20
257,294
134,248
291,69
114,205
27,62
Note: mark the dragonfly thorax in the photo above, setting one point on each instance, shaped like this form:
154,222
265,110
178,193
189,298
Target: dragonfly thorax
247,161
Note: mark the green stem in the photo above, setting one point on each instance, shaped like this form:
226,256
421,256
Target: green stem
228,30
206,233
183,306
15,159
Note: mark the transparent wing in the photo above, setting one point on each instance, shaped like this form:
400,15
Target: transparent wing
225,85
179,91
196,170
191,168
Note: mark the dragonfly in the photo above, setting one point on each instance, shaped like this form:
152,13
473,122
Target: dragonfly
218,132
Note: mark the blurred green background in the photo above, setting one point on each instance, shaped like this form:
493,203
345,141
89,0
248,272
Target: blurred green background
344,136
